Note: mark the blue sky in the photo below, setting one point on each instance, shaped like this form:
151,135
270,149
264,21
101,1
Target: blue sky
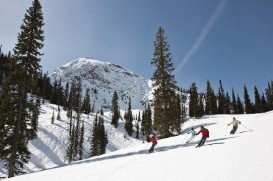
231,40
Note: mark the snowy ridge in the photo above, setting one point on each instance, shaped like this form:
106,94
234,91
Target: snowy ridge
103,78
245,156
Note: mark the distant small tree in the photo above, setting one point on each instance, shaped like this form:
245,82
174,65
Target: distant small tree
103,140
59,113
94,149
129,119
53,117
86,106
115,110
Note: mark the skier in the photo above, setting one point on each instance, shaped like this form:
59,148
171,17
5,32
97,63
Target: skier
192,132
152,138
235,123
205,134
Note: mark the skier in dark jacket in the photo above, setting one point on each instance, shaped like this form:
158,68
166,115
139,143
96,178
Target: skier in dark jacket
152,139
205,134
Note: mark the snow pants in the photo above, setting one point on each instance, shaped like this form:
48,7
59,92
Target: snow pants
234,129
152,148
202,141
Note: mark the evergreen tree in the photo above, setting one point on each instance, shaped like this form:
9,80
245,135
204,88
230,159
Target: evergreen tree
59,113
103,140
53,117
248,104
74,112
221,99
234,103
183,114
86,107
129,119
193,104
200,108
137,125
66,96
146,125
70,148
94,149
77,107
81,141
115,110
227,104
210,101
240,107
34,113
54,94
24,68
22,79
46,87
60,94
4,65
257,101
177,116
165,86
264,104
269,95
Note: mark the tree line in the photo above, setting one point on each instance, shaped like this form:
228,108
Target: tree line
210,103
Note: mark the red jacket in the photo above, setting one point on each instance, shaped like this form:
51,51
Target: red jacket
204,132
153,140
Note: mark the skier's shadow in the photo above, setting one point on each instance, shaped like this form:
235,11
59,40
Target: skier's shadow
157,149
209,142
244,131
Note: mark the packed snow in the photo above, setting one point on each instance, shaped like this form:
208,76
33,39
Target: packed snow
245,156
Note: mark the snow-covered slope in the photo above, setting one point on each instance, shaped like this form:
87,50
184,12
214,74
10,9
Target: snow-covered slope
103,78
245,156
49,148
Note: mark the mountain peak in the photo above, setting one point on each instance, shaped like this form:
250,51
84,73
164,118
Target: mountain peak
103,78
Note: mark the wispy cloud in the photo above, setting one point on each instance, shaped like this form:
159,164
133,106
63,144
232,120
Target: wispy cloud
205,31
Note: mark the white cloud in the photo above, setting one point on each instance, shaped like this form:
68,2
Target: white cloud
205,31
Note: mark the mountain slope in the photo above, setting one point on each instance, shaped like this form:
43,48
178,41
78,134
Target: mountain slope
49,148
103,78
243,156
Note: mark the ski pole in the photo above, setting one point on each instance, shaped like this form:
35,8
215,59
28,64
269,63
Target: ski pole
246,127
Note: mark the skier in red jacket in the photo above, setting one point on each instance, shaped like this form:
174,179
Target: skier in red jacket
152,139
205,134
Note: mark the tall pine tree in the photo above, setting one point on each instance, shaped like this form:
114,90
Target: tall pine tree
210,101
165,86
23,76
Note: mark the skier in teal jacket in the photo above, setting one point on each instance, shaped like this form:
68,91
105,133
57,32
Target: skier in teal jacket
193,134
